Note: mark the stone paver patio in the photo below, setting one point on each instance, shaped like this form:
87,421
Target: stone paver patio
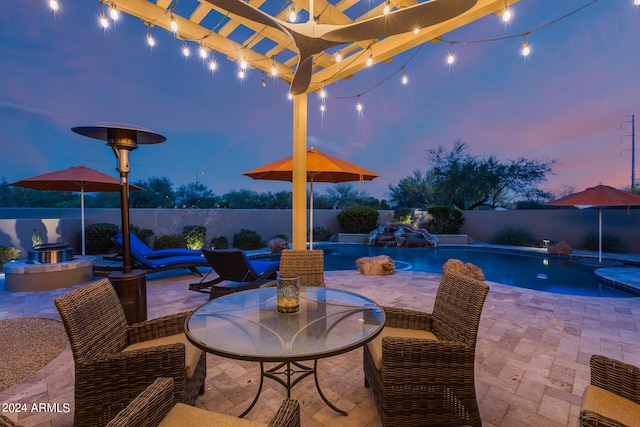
531,364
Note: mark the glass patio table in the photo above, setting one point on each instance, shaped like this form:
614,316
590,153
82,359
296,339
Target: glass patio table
246,326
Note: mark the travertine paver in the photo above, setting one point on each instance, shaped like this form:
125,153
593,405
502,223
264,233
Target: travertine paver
531,363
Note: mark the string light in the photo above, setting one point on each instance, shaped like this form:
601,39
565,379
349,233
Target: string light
185,50
150,40
387,8
636,2
526,50
322,107
292,15
274,69
289,96
173,24
113,13
506,15
104,23
264,83
322,93
203,52
451,58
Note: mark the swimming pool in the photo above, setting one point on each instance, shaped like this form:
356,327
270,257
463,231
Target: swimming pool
533,271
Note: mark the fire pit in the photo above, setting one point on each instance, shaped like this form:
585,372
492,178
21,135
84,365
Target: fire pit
50,253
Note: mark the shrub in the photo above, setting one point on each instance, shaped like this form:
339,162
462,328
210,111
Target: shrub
321,234
515,236
195,235
170,241
402,215
8,253
98,238
445,220
219,242
610,243
248,239
358,219
144,234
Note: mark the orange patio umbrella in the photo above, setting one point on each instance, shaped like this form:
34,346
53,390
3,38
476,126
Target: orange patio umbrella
75,178
321,167
600,195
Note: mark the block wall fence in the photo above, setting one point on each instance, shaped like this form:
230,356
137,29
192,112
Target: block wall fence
63,225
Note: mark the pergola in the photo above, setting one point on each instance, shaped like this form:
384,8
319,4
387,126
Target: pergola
337,40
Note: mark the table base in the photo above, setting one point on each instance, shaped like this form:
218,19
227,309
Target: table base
293,372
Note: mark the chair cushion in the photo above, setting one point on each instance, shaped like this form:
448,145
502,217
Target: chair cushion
191,358
603,402
375,345
182,415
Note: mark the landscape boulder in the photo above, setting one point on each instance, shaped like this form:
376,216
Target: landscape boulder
561,248
380,265
465,269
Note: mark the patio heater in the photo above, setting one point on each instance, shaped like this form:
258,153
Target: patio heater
130,285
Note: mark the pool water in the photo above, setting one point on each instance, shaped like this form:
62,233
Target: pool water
533,271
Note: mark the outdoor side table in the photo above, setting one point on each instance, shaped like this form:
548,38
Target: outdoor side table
246,326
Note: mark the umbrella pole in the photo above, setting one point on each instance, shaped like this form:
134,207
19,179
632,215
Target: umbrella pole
311,216
82,213
600,234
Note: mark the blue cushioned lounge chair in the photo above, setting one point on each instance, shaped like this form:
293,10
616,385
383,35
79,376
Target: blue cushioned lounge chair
149,253
234,266
166,263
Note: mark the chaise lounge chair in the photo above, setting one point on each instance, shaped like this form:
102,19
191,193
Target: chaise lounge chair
166,263
149,253
234,266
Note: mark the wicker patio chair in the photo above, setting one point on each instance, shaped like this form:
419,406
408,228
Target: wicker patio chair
421,367
114,362
155,407
613,397
308,264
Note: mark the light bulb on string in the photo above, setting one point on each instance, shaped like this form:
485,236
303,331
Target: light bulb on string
404,79
416,31
264,83
359,106
339,57
322,93
274,69
292,15
451,58
185,51
387,8
506,15
173,24
526,50
150,40
213,65
104,22
242,74
322,107
636,2
289,96
370,60
243,64
54,5
203,52
113,13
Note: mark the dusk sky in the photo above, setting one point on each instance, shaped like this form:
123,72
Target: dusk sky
570,101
